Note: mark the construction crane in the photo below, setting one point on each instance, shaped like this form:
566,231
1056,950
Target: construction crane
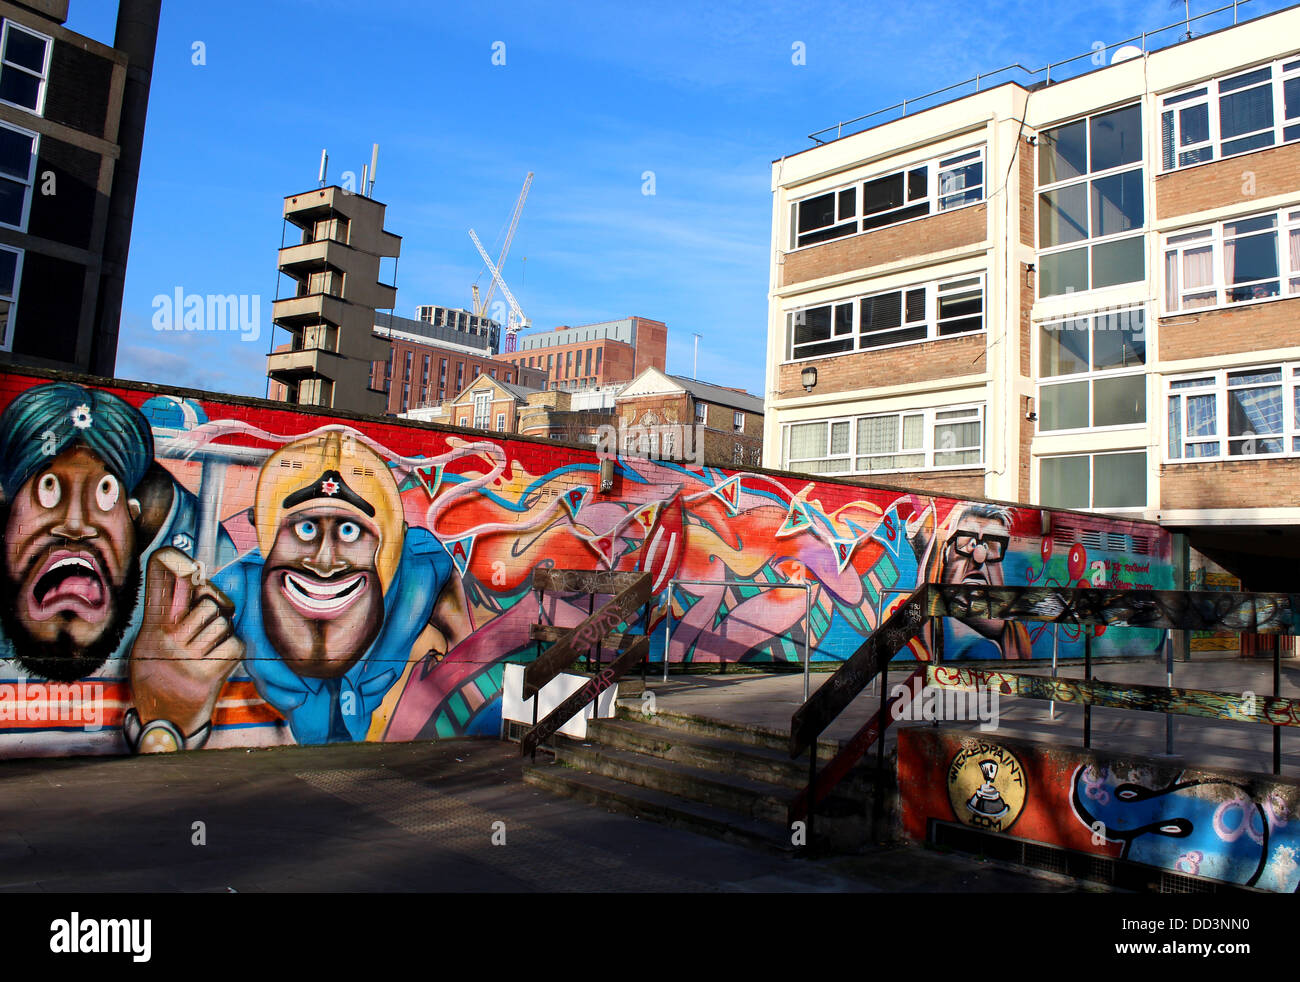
481,308
515,321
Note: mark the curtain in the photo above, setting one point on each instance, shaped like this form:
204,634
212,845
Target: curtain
807,441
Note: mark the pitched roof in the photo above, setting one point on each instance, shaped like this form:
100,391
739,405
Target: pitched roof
719,396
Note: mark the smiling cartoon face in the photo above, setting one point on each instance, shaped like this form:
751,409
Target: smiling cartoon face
69,551
321,594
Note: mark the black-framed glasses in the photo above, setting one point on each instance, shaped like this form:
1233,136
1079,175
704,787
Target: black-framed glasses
995,546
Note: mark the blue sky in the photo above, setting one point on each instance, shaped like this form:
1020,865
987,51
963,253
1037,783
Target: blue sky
590,97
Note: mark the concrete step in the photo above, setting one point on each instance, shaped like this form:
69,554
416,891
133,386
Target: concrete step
755,761
744,733
658,806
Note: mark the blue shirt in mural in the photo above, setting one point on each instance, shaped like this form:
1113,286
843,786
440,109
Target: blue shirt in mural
311,705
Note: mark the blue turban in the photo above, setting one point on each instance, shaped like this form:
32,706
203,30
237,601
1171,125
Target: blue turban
46,420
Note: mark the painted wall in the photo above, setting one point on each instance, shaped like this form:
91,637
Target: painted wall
1236,828
186,570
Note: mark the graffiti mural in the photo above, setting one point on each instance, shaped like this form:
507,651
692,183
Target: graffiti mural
181,572
1221,825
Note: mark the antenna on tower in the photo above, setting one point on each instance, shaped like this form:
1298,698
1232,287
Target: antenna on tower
374,169
324,166
365,179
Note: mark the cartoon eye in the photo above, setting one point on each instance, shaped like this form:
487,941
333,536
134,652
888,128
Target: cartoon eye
349,531
49,491
305,530
106,493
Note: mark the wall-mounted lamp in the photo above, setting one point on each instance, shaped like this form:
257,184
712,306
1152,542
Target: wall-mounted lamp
809,378
1029,409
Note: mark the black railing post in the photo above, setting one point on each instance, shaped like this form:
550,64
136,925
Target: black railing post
1087,675
1277,691
812,790
645,629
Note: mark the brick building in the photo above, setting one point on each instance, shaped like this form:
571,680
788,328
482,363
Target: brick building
731,419
577,358
1084,294
72,116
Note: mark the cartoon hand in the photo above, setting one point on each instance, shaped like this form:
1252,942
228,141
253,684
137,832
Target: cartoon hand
186,648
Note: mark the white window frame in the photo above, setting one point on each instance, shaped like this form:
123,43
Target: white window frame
1090,375
701,412
7,333
1216,384
932,419
935,292
738,422
1208,93
1092,478
1090,177
1177,244
28,180
501,422
482,409
935,168
44,76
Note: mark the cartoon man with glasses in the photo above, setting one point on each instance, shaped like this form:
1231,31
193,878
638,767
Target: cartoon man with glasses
972,554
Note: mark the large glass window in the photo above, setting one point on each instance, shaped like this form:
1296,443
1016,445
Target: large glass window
925,188
1244,112
1245,412
24,67
1090,203
903,316
920,439
11,269
17,170
1251,258
1092,371
1104,480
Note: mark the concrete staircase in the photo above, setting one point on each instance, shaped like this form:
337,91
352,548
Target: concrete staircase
728,780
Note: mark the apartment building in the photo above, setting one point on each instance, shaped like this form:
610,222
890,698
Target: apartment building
1083,294
463,322
578,358
72,117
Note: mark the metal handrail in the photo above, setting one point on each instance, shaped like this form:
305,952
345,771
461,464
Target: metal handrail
807,614
1046,70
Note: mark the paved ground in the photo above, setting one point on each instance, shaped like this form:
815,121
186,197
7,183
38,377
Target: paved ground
769,700
395,817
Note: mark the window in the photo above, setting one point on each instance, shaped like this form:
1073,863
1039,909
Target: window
738,422
1104,480
1096,367
1249,111
922,189
1248,412
904,316
17,171
11,268
482,409
1090,202
921,439
327,281
1233,262
701,412
501,422
335,229
24,66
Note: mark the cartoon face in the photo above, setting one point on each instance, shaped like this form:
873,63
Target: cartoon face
70,546
321,595
975,551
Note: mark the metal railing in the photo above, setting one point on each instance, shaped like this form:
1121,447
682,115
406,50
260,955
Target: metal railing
1045,71
807,615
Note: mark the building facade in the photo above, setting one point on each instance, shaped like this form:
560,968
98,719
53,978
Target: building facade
726,425
72,114
577,358
462,322
334,270
1083,294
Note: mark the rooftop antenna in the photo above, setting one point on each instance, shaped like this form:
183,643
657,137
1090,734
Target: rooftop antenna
1187,19
695,369
374,169
324,166
365,179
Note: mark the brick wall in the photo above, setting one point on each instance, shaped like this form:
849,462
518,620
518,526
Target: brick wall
1231,484
1228,182
1026,176
1245,327
931,360
947,230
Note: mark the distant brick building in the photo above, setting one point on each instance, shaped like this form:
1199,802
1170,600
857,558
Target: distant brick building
732,419
577,358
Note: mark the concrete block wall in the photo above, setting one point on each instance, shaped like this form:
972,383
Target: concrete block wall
306,577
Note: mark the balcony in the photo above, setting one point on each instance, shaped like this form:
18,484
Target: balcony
290,366
311,308
300,261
